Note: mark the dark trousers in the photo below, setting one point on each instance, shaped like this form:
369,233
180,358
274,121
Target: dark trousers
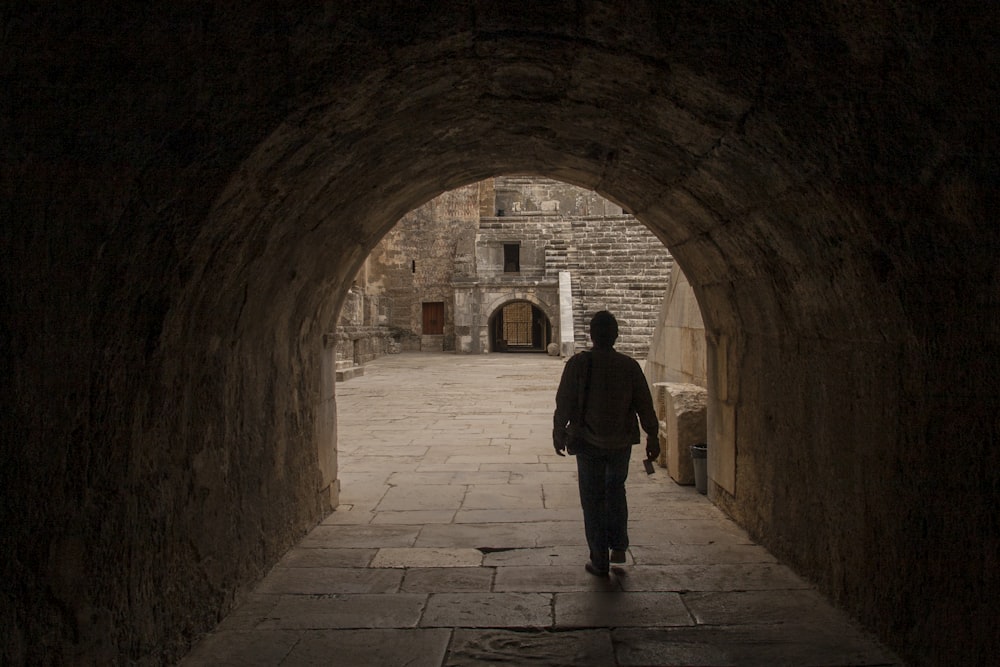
602,474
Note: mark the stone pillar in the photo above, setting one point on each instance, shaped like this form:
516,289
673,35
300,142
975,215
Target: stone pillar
683,422
567,346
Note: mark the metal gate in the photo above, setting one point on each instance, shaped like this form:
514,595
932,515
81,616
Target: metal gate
517,324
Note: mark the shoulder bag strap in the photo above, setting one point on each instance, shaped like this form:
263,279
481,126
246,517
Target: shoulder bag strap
582,403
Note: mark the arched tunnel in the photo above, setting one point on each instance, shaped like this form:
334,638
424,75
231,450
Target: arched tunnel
189,189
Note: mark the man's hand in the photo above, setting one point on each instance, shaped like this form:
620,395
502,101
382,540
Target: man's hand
652,448
559,441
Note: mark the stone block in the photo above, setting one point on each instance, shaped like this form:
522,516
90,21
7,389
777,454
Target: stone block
683,408
346,373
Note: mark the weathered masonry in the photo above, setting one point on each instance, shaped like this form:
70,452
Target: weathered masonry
478,270
187,193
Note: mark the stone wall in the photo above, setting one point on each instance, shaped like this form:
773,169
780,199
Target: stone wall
414,263
616,263
677,348
526,194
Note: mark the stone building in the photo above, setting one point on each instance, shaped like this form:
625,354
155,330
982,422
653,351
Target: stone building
482,269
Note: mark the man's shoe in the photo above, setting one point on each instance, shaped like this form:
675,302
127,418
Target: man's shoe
594,571
617,555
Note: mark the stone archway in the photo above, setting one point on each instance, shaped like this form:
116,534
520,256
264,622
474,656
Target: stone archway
519,326
543,300
825,178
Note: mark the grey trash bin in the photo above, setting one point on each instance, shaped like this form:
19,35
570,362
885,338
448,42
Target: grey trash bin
699,459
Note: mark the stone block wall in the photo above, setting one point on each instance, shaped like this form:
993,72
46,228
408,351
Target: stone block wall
450,251
415,262
524,194
362,344
537,234
615,261
618,265
677,348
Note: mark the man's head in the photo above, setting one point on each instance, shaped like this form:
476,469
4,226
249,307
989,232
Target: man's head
603,329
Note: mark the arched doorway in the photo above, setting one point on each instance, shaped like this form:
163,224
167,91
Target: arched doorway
519,326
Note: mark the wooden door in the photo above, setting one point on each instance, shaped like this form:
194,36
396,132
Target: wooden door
433,318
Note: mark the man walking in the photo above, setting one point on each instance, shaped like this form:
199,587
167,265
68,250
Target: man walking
600,394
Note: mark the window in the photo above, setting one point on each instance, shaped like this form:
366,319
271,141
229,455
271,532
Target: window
511,257
433,318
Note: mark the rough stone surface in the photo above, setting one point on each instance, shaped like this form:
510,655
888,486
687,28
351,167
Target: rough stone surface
620,610
385,648
488,610
677,350
681,407
189,190
543,649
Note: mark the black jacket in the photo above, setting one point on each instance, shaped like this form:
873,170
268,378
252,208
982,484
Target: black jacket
618,393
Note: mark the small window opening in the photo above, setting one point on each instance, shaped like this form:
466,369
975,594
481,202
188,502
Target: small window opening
511,257
413,266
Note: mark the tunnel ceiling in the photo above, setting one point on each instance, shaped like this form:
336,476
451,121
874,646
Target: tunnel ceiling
736,135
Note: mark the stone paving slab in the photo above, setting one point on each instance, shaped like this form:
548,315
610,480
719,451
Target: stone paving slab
301,612
505,497
243,649
414,518
620,610
448,580
350,515
712,577
536,476
422,497
427,557
385,648
510,535
378,465
327,558
698,554
330,580
761,607
488,610
366,492
326,536
763,645
686,531
249,615
584,648
568,557
449,466
503,459
451,477
551,579
512,467
657,508
355,481
519,516
561,496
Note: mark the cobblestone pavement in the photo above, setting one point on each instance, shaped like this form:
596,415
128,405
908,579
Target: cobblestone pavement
459,541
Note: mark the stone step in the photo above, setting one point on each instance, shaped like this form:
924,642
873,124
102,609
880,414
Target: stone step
348,373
